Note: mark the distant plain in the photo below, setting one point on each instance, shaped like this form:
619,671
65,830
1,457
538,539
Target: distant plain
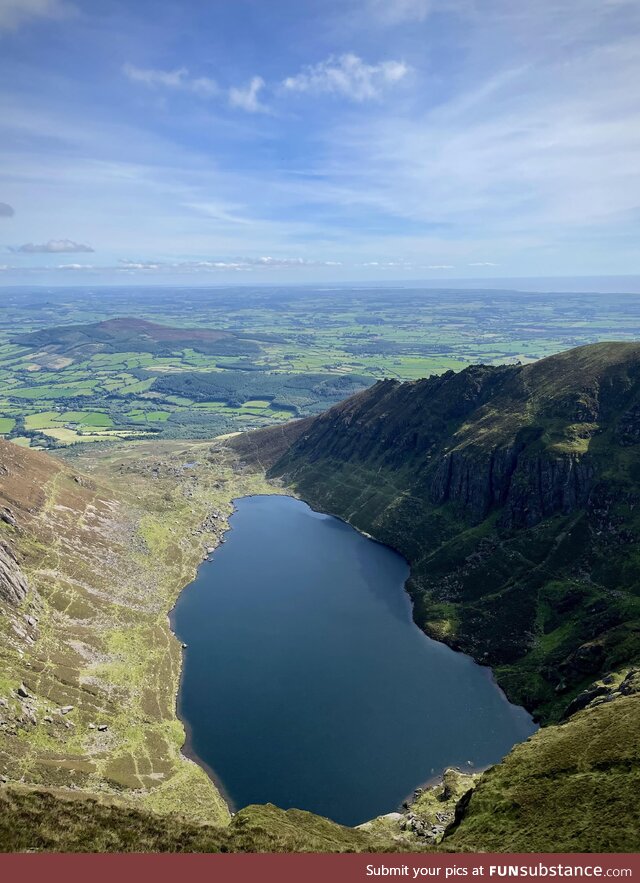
67,378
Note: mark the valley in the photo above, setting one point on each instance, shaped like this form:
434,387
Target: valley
80,366
511,491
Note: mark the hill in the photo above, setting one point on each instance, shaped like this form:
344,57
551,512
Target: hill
122,335
512,491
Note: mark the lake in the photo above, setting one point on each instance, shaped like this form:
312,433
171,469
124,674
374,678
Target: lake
307,684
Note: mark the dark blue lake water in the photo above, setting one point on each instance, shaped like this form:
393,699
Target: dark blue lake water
306,683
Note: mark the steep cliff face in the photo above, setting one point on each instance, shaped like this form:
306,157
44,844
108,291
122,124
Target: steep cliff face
13,584
512,491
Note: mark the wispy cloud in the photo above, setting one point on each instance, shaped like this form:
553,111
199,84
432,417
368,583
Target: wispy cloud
6,210
178,79
240,263
247,98
454,131
522,150
73,267
15,13
397,11
53,246
347,75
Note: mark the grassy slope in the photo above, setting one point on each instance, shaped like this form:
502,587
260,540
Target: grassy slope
41,820
106,541
569,788
514,494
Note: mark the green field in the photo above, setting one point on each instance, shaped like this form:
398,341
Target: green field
287,352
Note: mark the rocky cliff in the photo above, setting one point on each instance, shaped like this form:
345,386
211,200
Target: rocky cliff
13,585
512,491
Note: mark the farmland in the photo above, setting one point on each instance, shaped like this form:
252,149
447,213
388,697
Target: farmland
100,366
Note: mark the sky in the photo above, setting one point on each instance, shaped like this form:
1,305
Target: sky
304,141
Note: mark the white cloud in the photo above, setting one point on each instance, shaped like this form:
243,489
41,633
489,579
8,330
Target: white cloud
178,79
440,267
347,75
483,264
14,13
240,263
75,267
6,210
53,246
247,98
140,265
290,262
389,265
551,143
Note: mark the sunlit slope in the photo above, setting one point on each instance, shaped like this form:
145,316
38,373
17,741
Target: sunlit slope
93,554
569,788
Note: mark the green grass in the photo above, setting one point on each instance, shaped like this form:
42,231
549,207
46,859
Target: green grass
6,425
50,821
42,420
47,393
569,788
402,334
86,418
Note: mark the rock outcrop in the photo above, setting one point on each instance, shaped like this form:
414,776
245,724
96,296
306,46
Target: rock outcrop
13,584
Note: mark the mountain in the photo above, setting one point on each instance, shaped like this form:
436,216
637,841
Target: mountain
94,551
129,334
514,494
90,566
512,491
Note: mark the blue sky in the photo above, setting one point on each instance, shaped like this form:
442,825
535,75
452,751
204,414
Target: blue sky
316,141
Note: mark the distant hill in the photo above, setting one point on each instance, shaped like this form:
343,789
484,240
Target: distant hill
137,335
514,492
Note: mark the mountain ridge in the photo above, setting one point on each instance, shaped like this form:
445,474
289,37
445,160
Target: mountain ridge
569,787
513,493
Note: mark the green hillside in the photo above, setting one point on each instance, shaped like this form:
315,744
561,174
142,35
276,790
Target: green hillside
512,491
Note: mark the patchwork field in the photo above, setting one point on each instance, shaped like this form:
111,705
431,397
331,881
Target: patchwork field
79,366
